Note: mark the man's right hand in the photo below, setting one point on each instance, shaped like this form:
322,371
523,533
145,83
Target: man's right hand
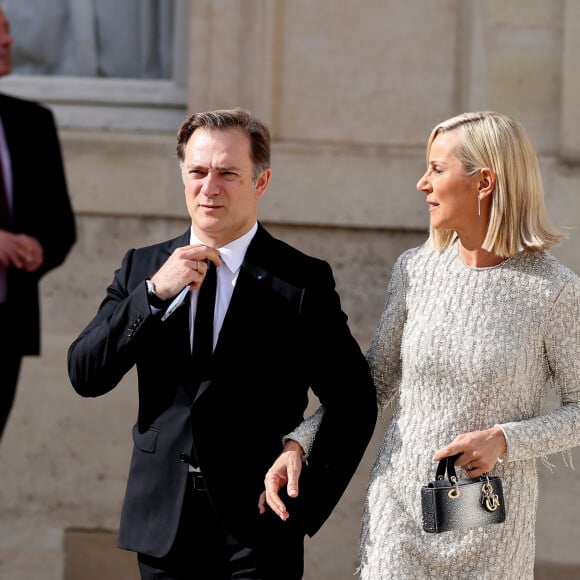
186,266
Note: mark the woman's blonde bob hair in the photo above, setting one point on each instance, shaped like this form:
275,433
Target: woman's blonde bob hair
519,220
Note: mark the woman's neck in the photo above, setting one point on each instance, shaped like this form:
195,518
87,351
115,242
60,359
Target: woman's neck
475,256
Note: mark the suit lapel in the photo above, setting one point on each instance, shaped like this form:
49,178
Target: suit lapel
252,286
252,307
253,282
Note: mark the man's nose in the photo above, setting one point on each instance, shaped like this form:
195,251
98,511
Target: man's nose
210,185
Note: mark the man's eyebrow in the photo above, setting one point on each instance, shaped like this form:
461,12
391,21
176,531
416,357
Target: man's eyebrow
218,167
228,167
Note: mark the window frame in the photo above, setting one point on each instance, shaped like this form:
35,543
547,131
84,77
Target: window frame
114,103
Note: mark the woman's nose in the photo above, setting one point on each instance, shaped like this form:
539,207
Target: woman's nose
423,184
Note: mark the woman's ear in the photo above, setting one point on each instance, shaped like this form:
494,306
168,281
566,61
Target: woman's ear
486,182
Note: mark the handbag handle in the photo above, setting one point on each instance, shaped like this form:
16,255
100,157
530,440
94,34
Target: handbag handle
447,466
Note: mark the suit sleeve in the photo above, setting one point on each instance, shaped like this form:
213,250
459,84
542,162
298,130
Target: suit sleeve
57,234
383,356
106,349
342,382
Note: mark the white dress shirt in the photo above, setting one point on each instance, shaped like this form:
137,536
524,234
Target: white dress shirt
232,256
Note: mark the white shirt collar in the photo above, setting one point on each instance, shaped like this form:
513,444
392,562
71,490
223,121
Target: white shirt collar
233,253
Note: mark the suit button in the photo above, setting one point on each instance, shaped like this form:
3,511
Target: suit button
184,457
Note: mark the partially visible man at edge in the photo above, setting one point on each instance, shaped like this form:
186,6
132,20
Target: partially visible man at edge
32,188
207,430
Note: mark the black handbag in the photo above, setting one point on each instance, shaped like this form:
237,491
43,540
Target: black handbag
454,504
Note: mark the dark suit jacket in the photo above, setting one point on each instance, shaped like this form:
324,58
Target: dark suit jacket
283,333
41,208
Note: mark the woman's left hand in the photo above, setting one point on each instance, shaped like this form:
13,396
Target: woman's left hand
479,450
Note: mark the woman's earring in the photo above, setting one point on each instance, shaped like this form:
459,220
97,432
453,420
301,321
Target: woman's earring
478,205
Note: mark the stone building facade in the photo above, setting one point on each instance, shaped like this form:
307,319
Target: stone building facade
351,91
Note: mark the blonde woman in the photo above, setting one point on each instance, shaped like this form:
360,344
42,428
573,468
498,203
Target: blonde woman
476,323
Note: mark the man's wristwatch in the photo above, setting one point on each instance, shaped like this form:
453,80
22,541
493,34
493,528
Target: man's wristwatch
154,300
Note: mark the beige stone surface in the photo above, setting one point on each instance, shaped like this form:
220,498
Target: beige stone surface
570,106
123,173
353,70
93,555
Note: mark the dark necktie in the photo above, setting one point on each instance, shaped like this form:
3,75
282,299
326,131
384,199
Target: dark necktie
5,220
203,338
203,328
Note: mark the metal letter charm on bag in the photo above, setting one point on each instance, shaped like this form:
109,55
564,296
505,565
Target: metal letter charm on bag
454,504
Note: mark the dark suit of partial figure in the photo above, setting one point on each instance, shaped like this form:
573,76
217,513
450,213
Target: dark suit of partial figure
41,209
284,332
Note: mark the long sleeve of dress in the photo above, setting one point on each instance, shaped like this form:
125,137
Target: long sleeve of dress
559,430
384,354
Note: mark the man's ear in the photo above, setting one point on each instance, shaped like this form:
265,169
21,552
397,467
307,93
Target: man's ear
486,182
262,182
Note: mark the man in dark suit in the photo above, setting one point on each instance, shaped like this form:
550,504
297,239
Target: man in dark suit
209,426
32,188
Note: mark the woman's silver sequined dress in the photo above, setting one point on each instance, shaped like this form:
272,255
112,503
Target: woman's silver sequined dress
460,349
